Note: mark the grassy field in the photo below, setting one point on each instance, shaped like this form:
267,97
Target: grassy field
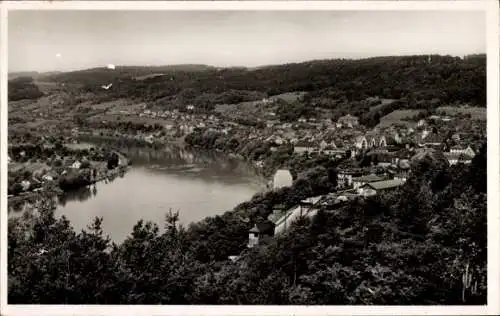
33,167
131,118
256,107
149,76
396,117
476,113
289,96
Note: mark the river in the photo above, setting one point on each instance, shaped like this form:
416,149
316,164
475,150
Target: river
197,184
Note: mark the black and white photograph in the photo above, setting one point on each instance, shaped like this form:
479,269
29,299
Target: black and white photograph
247,157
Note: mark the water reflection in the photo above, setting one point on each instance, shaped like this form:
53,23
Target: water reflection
198,184
80,195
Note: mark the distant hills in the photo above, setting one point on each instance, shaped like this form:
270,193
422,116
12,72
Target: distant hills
415,79
32,74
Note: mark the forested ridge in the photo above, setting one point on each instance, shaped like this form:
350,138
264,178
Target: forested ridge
23,88
423,244
444,79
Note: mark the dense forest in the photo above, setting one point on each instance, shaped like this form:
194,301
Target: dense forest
424,244
23,88
417,79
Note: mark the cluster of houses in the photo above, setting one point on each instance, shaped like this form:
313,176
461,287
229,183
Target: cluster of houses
387,142
46,173
396,147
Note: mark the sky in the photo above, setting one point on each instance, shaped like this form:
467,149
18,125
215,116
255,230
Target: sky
71,40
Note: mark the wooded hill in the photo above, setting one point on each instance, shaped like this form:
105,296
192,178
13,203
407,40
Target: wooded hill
444,79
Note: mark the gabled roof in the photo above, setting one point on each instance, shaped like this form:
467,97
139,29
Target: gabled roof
386,184
457,156
304,144
433,139
349,117
368,178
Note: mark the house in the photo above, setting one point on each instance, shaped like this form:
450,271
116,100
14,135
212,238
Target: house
334,152
304,147
323,144
382,142
421,123
455,158
48,177
360,181
431,140
374,188
402,176
468,151
348,120
76,165
372,143
344,178
403,164
25,184
259,232
360,142
282,178
149,139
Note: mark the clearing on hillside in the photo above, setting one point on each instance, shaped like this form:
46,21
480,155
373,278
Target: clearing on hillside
396,117
477,113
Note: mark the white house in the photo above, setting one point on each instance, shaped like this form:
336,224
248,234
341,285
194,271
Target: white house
282,178
47,177
76,165
468,151
25,185
455,158
361,142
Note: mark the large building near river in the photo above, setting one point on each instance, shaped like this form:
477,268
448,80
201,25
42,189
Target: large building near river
282,178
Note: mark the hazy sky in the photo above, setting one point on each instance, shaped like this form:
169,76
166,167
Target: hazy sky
66,40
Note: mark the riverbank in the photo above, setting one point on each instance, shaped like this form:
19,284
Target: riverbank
57,181
180,142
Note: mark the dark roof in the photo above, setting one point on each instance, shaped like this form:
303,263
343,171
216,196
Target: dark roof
263,227
368,178
305,144
433,139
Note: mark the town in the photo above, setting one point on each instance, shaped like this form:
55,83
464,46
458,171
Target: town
370,160
371,183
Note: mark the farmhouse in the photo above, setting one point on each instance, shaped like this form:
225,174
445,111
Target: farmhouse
348,120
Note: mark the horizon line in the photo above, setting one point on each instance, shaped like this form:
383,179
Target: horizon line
246,67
